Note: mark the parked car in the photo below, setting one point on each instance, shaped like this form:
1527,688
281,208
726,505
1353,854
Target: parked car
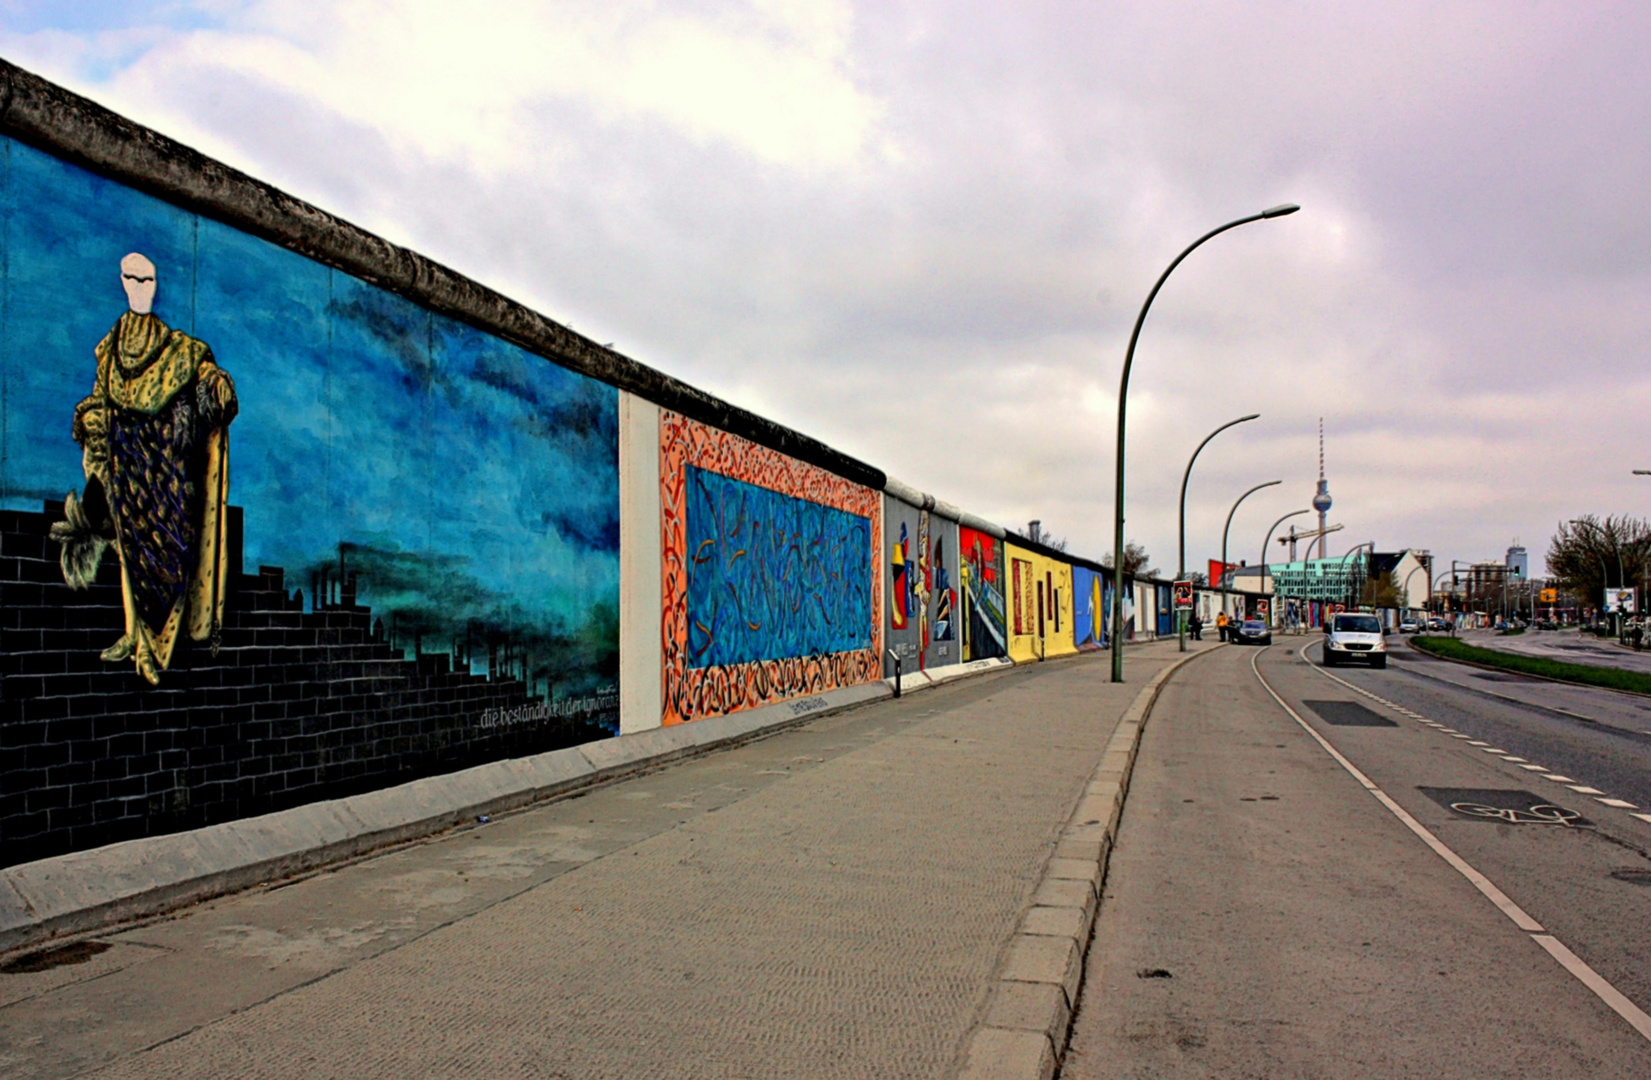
1409,626
1354,637
1255,632
1435,624
1546,624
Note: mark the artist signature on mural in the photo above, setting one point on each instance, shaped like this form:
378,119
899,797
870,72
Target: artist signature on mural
807,705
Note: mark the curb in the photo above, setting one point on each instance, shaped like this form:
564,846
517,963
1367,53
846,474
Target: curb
86,891
1035,991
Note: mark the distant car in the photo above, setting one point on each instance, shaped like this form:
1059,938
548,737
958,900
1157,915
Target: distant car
1436,624
1546,624
1255,632
1409,626
1354,637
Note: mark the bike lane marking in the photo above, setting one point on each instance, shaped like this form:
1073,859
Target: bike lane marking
1619,1003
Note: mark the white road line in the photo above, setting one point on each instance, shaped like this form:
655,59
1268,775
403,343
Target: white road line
1620,804
1642,817
1476,742
1459,736
1558,779
1584,789
1535,768
1510,757
1592,979
1570,961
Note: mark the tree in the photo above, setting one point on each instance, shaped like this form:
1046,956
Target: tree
1135,561
1198,577
1590,554
1035,533
1382,592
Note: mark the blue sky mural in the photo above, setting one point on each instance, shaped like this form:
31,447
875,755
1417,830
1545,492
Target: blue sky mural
473,486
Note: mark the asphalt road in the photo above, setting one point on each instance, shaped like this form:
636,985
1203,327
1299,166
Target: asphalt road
1266,915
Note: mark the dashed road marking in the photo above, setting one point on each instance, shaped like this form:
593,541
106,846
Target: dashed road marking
1637,1018
1620,804
1643,817
1485,746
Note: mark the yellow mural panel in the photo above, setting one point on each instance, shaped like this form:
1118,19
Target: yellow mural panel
1040,605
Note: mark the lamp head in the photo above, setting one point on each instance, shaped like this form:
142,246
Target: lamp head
1281,210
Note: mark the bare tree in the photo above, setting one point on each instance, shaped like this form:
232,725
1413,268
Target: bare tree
1135,560
1590,554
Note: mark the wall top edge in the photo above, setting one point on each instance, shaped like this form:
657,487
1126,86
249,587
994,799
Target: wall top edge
60,122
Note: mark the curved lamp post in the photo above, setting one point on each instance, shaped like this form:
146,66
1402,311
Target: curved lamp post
1419,566
1181,573
1123,399
1261,582
1371,544
1234,510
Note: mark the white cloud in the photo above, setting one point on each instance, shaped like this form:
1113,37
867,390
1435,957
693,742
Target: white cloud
461,82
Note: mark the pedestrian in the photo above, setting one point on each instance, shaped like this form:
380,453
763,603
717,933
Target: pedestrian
1196,625
1221,625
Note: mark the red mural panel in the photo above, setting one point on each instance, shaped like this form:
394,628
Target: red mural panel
695,693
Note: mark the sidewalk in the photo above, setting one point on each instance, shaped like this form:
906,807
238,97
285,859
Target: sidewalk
831,901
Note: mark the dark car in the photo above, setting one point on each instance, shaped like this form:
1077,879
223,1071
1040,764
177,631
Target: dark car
1255,632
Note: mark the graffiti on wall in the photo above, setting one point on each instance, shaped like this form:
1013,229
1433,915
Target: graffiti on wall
981,578
768,568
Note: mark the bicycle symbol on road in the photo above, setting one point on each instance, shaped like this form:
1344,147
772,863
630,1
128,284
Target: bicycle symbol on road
1540,814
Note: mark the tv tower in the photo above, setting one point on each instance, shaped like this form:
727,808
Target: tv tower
1321,501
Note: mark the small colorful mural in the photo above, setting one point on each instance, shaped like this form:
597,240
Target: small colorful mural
1089,610
1041,600
981,587
767,574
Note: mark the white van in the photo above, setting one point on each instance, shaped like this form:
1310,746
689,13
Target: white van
1354,637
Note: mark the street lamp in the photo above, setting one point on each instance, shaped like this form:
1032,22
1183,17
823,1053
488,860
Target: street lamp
1181,574
1342,568
1261,582
1123,398
1229,525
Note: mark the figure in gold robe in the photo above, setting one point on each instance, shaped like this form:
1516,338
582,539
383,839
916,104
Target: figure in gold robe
155,436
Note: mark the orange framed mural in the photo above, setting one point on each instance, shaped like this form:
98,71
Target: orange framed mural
770,584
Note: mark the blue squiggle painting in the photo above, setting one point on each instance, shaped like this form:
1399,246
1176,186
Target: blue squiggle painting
766,574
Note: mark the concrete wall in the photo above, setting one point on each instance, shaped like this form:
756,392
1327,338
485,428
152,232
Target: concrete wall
413,525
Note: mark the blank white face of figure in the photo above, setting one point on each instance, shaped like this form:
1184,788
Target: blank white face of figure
137,276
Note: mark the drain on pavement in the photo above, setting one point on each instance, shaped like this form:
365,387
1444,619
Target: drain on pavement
1506,807
1348,714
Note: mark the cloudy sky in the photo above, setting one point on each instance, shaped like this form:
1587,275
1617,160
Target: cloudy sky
921,231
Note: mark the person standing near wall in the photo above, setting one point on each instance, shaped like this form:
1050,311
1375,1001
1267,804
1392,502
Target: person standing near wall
1221,625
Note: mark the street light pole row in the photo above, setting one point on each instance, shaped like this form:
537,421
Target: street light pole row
1123,401
1181,572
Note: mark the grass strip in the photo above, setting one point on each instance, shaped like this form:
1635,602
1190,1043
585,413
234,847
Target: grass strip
1583,674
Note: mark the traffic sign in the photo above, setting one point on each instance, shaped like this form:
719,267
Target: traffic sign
1550,596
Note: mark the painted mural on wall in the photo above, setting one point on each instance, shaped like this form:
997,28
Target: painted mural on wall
407,488
980,575
155,452
1090,596
768,570
923,588
1040,602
